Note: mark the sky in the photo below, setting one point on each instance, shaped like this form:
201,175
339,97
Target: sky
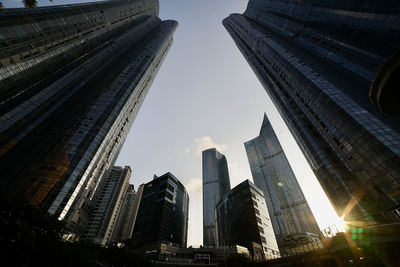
206,95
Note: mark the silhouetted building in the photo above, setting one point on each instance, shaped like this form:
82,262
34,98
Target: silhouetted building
163,213
383,89
215,185
72,79
108,206
316,60
164,251
293,221
243,219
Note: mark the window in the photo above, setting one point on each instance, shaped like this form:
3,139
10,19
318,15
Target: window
255,204
170,188
169,196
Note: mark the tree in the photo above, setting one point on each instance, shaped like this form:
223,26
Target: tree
30,3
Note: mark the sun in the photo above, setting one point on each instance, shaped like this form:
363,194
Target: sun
341,224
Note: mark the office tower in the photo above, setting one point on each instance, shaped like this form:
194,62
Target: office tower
73,78
293,222
108,206
316,60
124,225
215,185
243,219
163,213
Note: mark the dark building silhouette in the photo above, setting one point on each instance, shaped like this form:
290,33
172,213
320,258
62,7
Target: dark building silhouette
163,213
72,79
242,219
317,60
294,224
215,185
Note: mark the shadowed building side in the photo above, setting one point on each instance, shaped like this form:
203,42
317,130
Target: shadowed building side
38,42
60,132
316,60
242,219
162,214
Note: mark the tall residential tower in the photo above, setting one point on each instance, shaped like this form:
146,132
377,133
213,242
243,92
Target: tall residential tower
293,222
107,208
317,60
215,185
72,79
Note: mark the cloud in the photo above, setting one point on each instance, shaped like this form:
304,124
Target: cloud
237,173
194,187
206,142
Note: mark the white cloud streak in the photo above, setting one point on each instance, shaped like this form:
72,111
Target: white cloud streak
206,142
194,187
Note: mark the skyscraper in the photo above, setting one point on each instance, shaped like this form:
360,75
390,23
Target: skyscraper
73,79
215,185
243,219
125,222
316,60
293,221
163,213
107,208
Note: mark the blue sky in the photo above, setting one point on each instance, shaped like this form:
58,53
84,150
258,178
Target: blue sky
205,95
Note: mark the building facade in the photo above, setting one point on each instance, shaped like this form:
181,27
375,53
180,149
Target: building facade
316,60
108,206
125,222
292,219
72,79
163,213
243,219
215,185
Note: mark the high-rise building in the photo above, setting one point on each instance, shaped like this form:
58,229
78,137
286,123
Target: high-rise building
316,60
125,222
293,222
215,185
72,79
107,208
243,219
163,213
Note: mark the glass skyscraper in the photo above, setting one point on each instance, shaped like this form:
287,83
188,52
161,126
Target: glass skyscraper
163,213
316,60
293,221
215,185
242,219
72,79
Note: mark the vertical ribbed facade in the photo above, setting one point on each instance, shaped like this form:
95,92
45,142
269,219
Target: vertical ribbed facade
215,185
316,60
73,79
108,206
289,211
242,219
124,226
